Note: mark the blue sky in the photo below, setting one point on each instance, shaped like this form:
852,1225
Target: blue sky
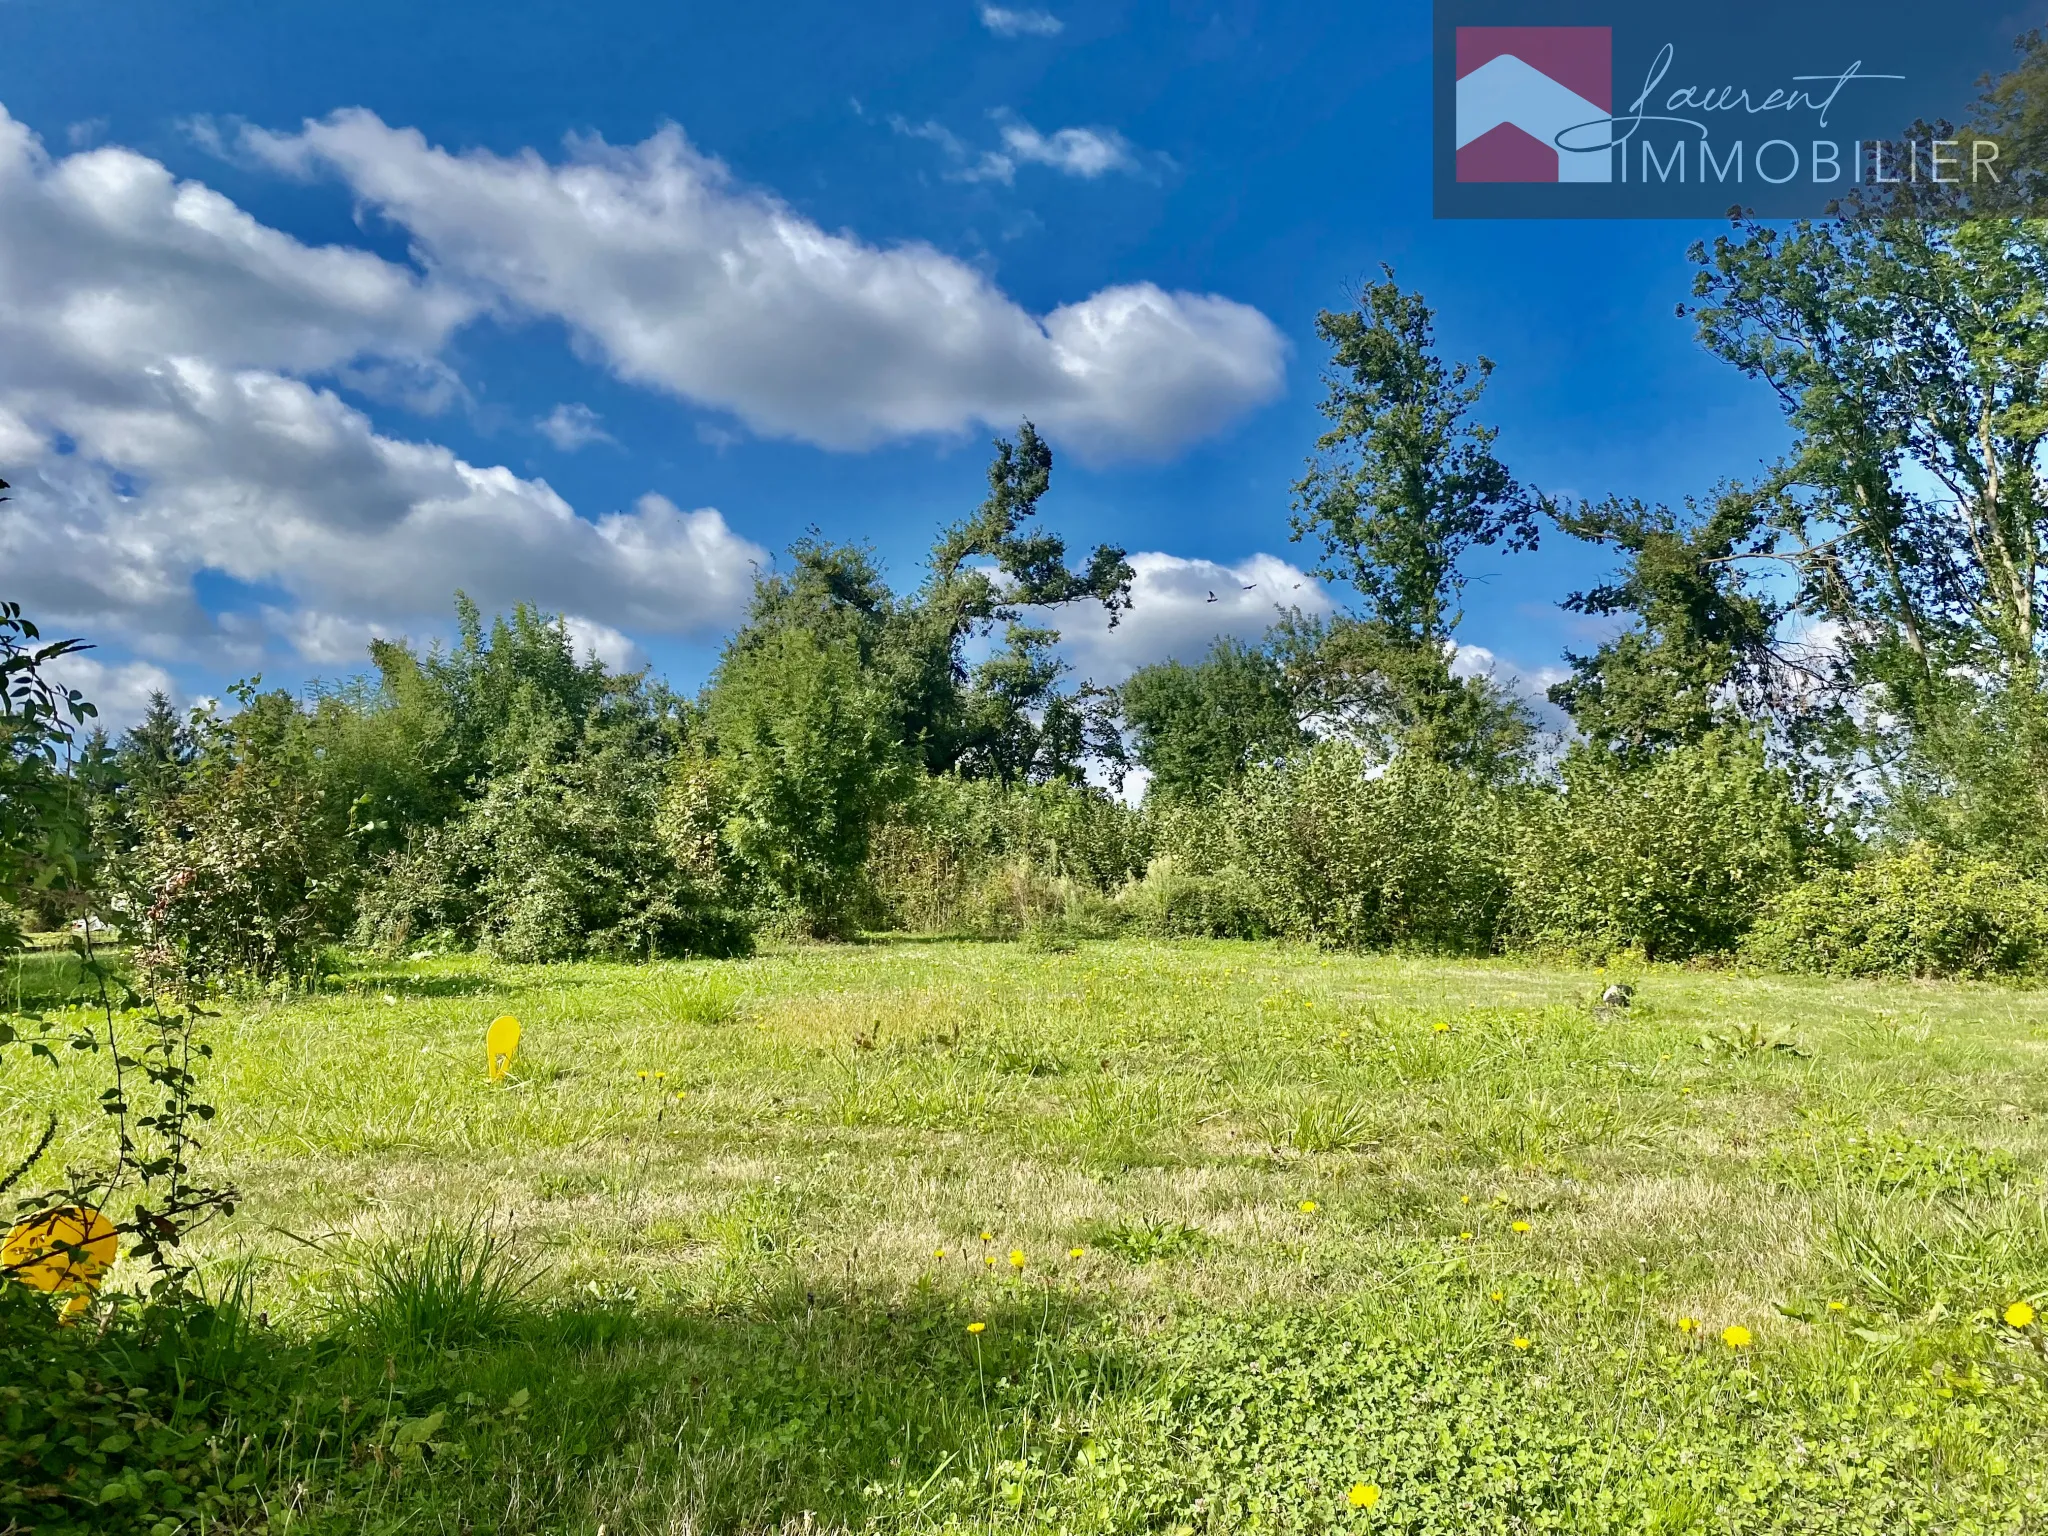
1266,155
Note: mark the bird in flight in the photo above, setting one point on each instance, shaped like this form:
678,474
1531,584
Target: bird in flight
1214,598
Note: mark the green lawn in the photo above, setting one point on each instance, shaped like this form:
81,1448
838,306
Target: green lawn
1343,1225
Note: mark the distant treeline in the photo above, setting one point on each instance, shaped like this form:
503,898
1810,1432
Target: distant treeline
1817,734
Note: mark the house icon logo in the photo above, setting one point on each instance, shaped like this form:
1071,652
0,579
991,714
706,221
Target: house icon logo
1520,88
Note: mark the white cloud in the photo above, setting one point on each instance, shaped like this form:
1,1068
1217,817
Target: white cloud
1005,22
683,280
616,650
570,427
120,690
156,428
1084,152
1179,608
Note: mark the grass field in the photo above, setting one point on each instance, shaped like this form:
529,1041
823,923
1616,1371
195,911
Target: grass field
1193,1238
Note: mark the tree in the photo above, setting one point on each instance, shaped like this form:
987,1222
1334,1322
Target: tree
1700,654
1911,358
1405,484
1200,728
1008,718
45,829
810,762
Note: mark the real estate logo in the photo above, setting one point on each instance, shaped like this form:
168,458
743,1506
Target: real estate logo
1522,91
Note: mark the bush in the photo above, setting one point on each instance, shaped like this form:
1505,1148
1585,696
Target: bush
976,856
1917,912
247,874
1410,858
597,855
1671,855
1173,902
124,1428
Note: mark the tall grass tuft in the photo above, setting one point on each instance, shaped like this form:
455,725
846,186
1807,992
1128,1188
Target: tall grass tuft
440,1286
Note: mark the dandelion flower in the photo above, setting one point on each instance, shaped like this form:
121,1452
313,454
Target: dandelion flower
1309,1207
1363,1495
990,1261
988,1237
1519,1342
1518,1226
1464,1199
1017,1258
1075,1253
1688,1324
938,1253
1838,1306
1464,1237
1735,1336
1442,1027
641,1075
977,1327
2018,1315
1498,1296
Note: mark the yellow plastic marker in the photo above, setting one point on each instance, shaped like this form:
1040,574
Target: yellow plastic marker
501,1040
67,1249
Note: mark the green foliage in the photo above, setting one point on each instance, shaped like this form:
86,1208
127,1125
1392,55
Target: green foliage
1200,728
1698,656
1337,853
44,824
123,1429
810,766
1914,912
1174,902
1670,856
973,856
1405,482
1399,698
246,871
1909,356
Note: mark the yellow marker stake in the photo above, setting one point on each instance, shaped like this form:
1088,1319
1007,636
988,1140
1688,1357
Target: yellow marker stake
68,1249
501,1040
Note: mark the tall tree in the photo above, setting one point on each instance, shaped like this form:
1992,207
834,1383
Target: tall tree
1405,483
1911,359
1700,653
1200,728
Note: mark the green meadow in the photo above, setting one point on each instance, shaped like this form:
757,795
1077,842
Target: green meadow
1202,1237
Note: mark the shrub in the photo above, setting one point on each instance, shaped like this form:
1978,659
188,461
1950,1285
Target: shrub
1412,857
247,873
595,855
1672,855
1916,912
961,853
124,1427
1173,902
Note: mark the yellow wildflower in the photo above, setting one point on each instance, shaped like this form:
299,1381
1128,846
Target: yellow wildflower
1519,1342
1442,1027
1017,1258
977,1327
1075,1253
2018,1315
1838,1306
988,1237
1688,1324
1363,1495
1498,1296
1518,1226
938,1253
1735,1336
1464,1237
1309,1207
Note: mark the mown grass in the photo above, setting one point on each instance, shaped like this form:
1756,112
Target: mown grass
736,1218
